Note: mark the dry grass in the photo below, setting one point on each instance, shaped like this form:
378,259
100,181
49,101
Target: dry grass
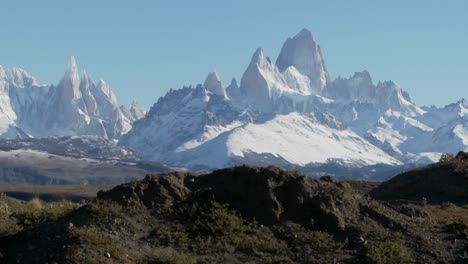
167,256
447,213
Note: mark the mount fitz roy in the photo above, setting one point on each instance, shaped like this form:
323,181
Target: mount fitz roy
288,113
76,106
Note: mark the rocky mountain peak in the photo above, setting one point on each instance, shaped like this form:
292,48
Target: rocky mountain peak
214,85
136,111
72,71
69,87
305,55
233,90
462,102
259,58
18,77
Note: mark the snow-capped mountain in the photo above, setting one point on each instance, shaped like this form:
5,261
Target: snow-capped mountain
305,56
290,113
76,106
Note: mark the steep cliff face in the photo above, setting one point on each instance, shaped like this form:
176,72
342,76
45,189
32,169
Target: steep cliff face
303,53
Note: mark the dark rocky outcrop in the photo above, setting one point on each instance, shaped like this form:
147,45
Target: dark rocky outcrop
268,195
441,182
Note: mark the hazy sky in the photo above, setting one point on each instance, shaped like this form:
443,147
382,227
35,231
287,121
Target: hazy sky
143,48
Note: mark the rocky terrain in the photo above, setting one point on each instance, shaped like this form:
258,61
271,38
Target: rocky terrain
249,215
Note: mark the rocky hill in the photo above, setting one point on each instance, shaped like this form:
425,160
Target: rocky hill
236,215
445,181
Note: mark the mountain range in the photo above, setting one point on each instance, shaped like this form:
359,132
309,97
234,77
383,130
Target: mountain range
75,106
288,113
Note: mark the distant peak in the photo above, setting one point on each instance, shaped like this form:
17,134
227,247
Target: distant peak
84,75
305,55
72,71
365,75
463,102
136,111
104,87
72,64
135,103
213,76
233,82
259,58
213,84
71,80
258,55
304,33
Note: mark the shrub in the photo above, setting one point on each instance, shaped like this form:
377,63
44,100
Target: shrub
171,235
36,212
385,246
390,252
222,226
377,233
324,241
105,213
216,220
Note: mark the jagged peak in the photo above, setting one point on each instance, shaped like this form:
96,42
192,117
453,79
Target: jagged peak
214,85
304,34
19,77
463,102
72,71
258,55
363,77
72,76
460,104
72,63
212,78
136,110
302,52
18,72
134,103
85,76
104,87
259,58
233,83
363,73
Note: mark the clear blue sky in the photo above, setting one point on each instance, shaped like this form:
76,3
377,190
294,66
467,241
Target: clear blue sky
143,48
